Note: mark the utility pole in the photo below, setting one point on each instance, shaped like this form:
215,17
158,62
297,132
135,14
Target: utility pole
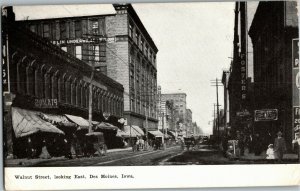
94,31
217,83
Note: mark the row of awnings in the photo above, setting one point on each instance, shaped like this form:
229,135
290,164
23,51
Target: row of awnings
27,122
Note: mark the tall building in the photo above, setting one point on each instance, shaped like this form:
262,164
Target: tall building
117,45
44,81
241,69
275,36
189,121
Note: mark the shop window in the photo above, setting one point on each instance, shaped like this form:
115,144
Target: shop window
46,31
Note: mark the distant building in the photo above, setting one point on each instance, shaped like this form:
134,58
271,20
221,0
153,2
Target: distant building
274,27
119,46
179,101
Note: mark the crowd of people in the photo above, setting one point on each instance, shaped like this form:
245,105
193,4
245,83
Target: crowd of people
275,148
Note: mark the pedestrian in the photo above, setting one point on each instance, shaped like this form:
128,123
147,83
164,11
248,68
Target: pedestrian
279,146
241,143
29,149
296,144
270,152
225,144
256,144
44,154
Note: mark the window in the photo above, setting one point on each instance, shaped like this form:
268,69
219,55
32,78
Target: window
142,44
78,52
96,53
95,27
137,37
32,28
64,48
78,33
102,69
63,30
53,27
102,52
146,50
46,30
130,30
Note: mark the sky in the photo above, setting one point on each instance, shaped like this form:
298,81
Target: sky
195,43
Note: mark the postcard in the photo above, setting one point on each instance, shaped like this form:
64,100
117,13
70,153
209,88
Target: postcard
151,95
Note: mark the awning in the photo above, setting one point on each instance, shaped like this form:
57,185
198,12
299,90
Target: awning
81,122
106,126
130,131
172,133
58,119
156,133
26,122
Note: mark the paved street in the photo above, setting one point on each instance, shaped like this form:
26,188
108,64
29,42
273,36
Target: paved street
122,158
201,155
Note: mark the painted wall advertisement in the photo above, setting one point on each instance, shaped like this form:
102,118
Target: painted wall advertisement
296,84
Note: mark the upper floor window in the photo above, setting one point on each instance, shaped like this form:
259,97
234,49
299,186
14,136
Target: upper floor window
63,30
33,28
95,26
78,27
137,37
78,52
64,48
142,44
46,31
131,30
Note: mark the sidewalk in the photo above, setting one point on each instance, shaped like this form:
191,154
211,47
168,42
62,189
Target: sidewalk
31,162
262,156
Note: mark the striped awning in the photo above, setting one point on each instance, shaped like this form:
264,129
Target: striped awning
156,133
81,122
27,122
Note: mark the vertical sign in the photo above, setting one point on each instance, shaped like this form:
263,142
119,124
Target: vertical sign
243,77
296,84
5,55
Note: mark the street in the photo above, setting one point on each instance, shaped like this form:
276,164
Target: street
123,158
201,155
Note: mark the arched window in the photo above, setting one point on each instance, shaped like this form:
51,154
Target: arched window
55,80
68,91
78,94
48,84
30,76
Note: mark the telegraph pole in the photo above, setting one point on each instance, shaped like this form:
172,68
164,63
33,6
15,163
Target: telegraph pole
217,83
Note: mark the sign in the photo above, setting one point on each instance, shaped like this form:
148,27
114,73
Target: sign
243,77
5,63
46,103
296,117
84,40
243,113
266,115
296,84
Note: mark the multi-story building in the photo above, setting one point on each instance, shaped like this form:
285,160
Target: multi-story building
241,69
117,45
274,31
43,79
179,101
189,121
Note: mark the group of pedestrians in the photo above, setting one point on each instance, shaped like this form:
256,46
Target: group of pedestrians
275,148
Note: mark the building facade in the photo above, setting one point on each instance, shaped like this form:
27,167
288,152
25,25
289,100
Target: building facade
117,45
241,70
44,78
273,29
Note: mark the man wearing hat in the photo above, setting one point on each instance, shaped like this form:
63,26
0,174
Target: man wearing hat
296,144
279,146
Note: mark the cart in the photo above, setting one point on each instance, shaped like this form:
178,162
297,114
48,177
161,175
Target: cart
95,144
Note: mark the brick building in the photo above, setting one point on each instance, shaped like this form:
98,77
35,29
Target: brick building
119,46
273,29
44,79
